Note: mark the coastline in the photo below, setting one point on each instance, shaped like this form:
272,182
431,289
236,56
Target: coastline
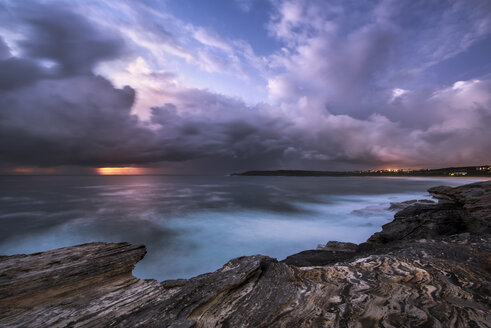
477,178
397,277
471,178
443,177
463,171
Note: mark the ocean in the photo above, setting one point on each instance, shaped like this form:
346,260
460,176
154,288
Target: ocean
195,224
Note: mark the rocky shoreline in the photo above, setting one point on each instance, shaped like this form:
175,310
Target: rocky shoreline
429,267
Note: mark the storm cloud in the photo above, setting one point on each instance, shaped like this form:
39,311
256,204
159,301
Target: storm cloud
351,87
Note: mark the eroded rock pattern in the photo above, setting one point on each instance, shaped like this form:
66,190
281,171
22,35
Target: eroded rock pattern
430,267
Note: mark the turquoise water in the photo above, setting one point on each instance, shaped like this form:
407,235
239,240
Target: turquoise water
195,224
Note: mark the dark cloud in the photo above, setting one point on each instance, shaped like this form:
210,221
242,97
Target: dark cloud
78,120
4,50
85,120
56,43
61,114
205,135
17,72
69,40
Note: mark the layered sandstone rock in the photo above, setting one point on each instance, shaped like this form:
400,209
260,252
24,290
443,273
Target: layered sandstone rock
429,267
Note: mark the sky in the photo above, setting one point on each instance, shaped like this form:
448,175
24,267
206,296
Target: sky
209,86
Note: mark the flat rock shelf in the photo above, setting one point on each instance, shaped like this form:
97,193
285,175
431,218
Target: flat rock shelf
429,267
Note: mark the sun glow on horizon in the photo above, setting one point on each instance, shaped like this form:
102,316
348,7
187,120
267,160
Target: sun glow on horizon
30,170
21,170
127,170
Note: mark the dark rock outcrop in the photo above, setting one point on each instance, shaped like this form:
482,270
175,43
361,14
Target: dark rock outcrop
332,252
317,257
462,209
430,267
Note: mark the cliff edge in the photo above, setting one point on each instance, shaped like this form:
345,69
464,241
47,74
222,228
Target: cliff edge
429,267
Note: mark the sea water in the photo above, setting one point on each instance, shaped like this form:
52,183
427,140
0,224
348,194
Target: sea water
195,224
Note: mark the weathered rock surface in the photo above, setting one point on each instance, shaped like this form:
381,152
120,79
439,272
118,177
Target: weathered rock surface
407,203
338,246
430,267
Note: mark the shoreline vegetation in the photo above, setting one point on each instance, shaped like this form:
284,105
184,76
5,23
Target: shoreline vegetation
427,267
454,172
